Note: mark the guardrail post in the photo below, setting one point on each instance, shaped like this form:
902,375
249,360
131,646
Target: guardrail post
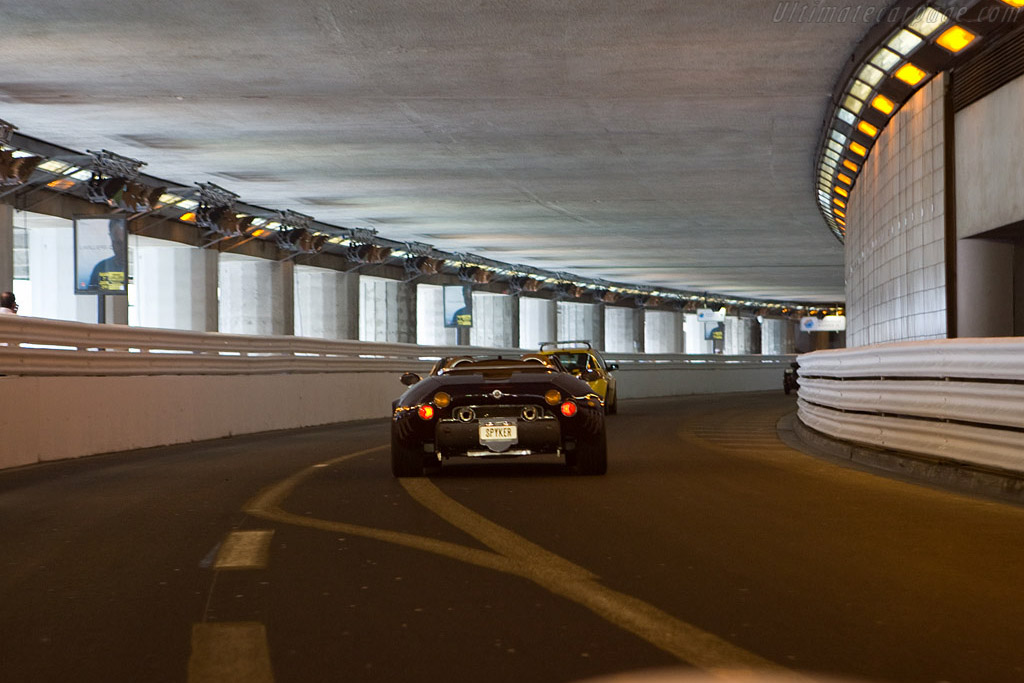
6,247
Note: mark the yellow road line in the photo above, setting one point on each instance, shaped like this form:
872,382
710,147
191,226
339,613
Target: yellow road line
230,653
517,556
244,550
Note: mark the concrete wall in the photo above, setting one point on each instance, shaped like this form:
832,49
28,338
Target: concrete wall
657,381
895,260
990,161
52,418
990,209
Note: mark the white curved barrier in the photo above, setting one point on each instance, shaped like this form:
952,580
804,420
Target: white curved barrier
70,389
958,399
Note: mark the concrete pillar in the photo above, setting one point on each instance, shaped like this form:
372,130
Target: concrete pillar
405,300
575,321
776,336
985,288
378,314
1018,290
430,329
175,285
512,302
254,297
620,330
538,322
742,338
116,311
551,320
733,336
597,326
640,330
663,332
286,281
326,303
6,248
492,320
753,335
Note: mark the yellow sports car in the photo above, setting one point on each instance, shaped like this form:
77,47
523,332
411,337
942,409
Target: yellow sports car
582,360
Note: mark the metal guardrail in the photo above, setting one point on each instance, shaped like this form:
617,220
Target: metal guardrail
961,399
43,347
36,346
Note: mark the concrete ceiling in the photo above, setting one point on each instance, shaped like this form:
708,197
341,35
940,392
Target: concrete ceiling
656,142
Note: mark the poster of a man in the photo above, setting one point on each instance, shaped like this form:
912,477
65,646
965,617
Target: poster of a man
101,255
458,306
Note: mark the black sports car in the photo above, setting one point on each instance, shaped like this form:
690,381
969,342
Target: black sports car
494,407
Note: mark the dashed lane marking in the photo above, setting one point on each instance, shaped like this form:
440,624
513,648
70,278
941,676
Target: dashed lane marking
512,554
230,653
244,550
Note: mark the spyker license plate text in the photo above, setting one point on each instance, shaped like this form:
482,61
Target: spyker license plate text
497,432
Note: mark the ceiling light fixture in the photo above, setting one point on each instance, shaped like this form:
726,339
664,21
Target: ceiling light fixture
867,129
910,74
883,104
955,39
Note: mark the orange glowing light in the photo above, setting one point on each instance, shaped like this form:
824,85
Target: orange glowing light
955,38
61,184
883,104
867,129
910,74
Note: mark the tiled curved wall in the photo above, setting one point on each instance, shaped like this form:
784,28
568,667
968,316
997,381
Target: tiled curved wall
895,272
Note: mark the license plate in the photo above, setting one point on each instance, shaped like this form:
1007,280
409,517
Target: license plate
498,433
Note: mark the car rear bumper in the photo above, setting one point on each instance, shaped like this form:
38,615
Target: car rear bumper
455,439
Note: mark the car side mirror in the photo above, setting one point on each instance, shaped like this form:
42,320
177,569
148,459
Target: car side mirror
410,378
612,366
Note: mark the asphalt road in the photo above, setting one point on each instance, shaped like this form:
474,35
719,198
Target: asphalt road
710,546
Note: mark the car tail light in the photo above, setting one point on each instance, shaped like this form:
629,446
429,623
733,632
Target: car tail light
553,396
426,412
569,409
442,400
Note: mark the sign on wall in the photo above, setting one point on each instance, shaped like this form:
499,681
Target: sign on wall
830,323
101,255
709,315
458,306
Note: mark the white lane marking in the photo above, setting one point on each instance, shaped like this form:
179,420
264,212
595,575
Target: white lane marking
230,653
561,577
244,550
517,556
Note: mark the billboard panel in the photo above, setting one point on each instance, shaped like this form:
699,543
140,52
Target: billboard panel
458,306
101,255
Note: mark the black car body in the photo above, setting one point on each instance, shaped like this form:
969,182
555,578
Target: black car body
493,407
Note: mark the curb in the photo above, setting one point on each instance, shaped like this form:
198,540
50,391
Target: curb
1004,486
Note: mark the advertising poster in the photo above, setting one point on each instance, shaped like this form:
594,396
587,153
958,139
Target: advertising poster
101,255
458,306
